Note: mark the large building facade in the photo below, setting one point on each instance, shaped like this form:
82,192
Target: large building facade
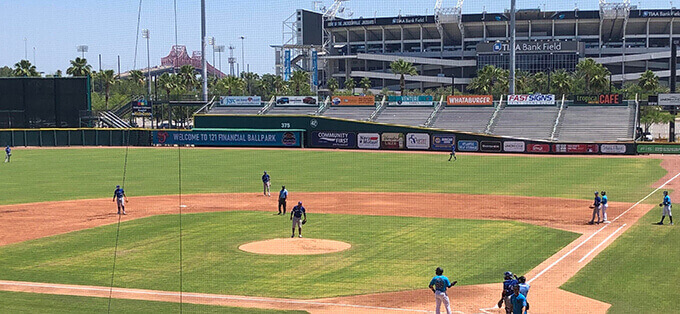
628,42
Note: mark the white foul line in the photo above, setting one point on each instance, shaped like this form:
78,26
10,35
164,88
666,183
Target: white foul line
603,241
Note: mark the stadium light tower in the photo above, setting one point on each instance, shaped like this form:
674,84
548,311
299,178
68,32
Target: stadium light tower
211,42
243,55
219,49
513,53
204,64
82,49
146,35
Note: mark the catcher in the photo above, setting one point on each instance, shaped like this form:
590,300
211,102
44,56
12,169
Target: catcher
296,217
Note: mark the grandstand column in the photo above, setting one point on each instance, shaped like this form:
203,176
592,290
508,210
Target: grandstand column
382,29
647,33
421,38
674,62
401,29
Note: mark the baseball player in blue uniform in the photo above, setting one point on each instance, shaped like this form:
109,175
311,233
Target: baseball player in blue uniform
666,204
519,301
120,198
596,208
508,283
266,183
296,217
8,153
283,196
604,206
453,152
438,285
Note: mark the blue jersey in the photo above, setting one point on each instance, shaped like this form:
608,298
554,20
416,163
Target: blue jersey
265,178
518,302
283,194
298,211
598,200
119,193
667,200
453,148
8,150
440,283
604,200
507,286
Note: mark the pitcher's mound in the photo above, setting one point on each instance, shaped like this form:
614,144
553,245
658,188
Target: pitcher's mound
295,246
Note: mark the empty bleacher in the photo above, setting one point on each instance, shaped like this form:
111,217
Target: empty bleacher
300,110
467,119
350,112
526,122
235,110
415,116
596,123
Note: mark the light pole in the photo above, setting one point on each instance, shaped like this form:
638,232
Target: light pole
147,35
25,48
219,50
512,47
82,49
243,58
211,42
203,62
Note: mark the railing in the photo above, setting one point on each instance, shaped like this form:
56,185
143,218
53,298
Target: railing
433,116
323,106
636,122
268,106
493,116
557,120
378,110
207,106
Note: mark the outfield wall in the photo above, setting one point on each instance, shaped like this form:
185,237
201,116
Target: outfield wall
75,137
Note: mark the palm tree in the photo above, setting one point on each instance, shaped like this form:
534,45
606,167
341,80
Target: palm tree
137,76
168,83
350,84
187,75
539,83
108,78
522,82
79,67
365,84
402,68
231,85
332,85
298,81
252,80
25,68
594,75
562,82
648,81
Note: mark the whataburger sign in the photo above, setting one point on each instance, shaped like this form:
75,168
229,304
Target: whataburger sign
469,100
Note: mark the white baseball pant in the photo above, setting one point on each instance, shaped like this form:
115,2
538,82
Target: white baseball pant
440,297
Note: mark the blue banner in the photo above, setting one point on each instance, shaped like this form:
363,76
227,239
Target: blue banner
315,68
443,141
286,65
229,138
422,100
334,139
467,146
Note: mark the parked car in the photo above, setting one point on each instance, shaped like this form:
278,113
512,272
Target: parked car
283,100
309,100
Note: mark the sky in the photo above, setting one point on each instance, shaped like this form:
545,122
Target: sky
48,31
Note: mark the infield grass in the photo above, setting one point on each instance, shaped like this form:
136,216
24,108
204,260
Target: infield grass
387,254
21,302
36,175
639,272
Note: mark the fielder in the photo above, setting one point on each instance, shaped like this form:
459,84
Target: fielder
266,183
666,208
507,293
604,206
296,216
8,153
438,285
453,152
596,209
120,198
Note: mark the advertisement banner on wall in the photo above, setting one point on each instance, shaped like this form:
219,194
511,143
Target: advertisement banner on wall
353,101
315,68
658,149
417,141
469,100
332,139
240,101
604,99
392,140
296,101
576,148
613,148
286,65
410,100
513,146
467,146
531,100
141,108
368,140
443,141
229,138
538,148
490,146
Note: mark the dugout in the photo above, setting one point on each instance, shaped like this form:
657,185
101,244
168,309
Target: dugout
38,102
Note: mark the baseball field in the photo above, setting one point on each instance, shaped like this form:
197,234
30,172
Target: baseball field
400,214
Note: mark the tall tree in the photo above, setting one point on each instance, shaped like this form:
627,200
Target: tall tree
252,81
538,83
138,77
594,75
168,83
365,84
231,85
648,81
350,85
490,80
79,67
522,82
332,85
6,71
562,82
107,78
299,80
402,68
25,68
187,75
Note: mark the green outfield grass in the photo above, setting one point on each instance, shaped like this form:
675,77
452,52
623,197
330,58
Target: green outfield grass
639,272
61,174
387,254
20,302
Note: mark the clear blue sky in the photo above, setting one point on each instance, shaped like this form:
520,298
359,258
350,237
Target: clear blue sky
56,27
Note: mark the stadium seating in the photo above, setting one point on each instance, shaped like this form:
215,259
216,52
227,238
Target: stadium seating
300,110
405,115
526,122
467,119
350,112
596,123
234,110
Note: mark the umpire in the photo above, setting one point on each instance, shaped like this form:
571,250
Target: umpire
283,195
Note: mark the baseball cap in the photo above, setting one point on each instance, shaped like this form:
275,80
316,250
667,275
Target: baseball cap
117,186
596,192
508,274
299,203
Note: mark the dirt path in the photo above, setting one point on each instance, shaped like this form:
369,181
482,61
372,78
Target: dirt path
30,221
